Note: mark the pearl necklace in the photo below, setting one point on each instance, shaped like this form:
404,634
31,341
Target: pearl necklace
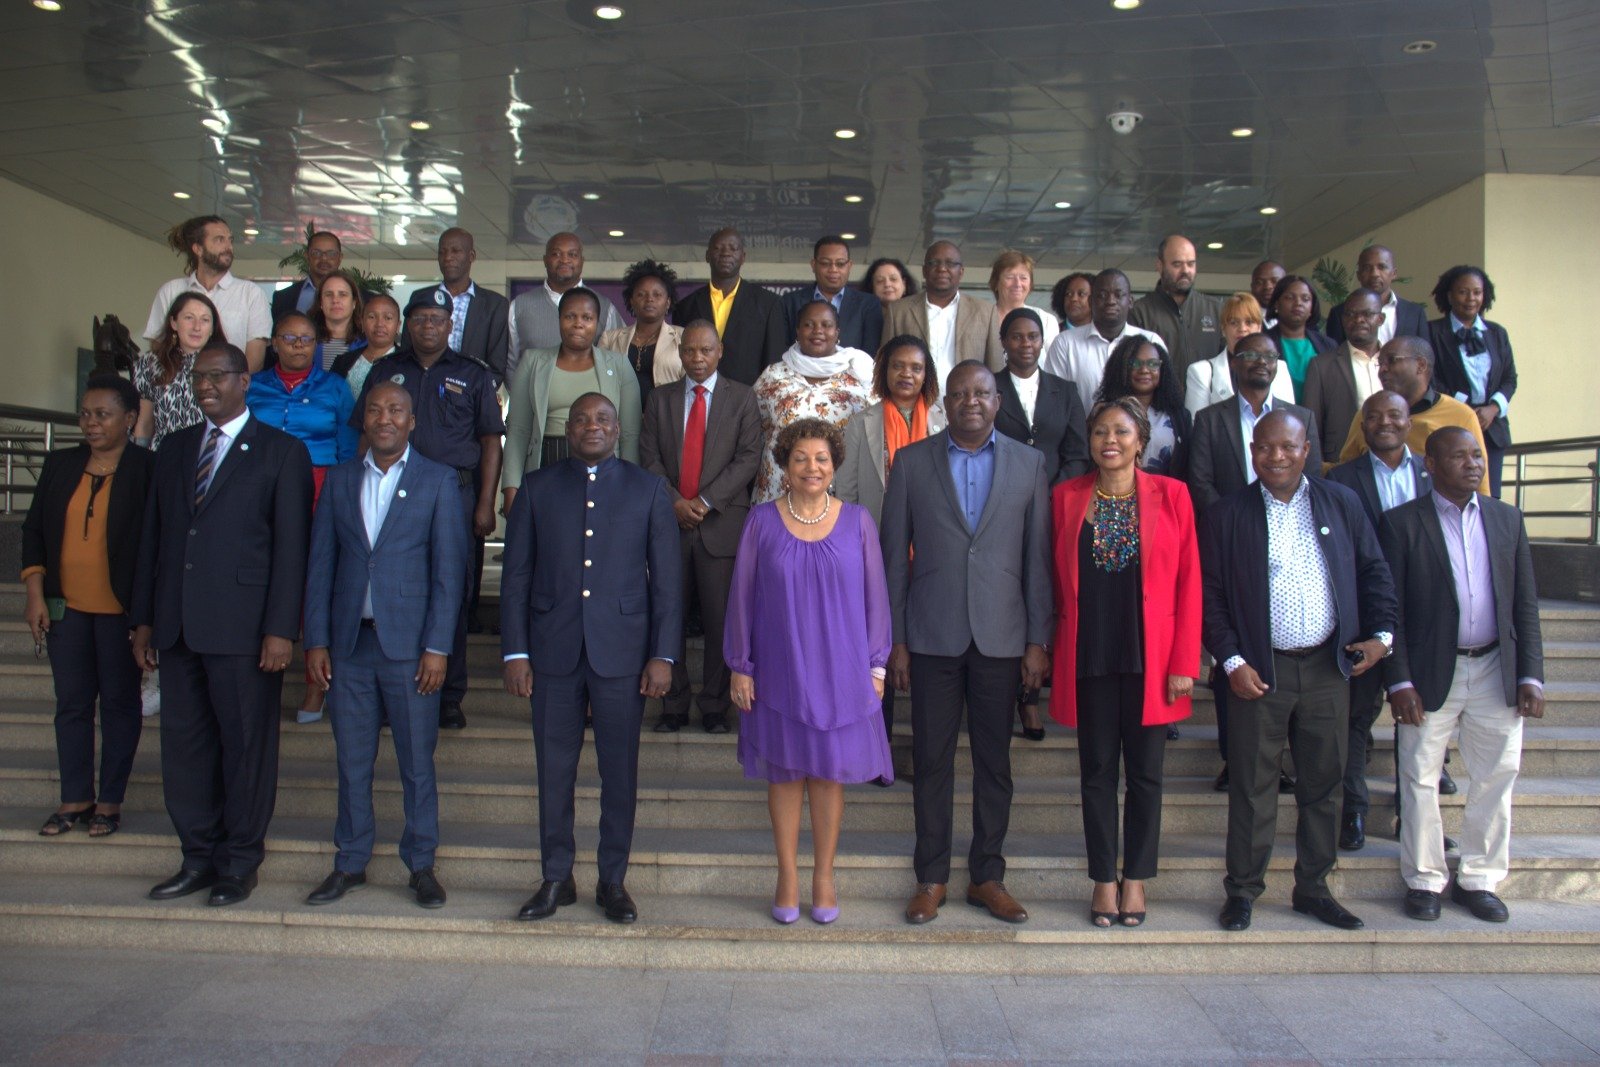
827,503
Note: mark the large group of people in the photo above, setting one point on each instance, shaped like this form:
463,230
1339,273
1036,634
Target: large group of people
854,491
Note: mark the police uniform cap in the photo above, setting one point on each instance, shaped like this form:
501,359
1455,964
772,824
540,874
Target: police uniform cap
431,297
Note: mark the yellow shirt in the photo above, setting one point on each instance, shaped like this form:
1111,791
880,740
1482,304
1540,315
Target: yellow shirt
721,305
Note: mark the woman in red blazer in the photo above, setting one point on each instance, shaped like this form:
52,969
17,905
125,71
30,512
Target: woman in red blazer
1125,551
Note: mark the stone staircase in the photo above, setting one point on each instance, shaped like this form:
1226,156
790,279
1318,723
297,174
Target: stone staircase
702,869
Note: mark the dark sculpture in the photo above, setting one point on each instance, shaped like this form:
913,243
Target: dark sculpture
114,350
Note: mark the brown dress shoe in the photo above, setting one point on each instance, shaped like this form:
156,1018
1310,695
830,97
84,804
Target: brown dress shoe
1001,905
924,905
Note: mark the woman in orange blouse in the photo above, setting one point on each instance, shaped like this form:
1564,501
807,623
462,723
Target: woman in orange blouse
80,543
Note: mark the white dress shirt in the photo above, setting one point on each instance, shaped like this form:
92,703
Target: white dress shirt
230,433
1027,392
1387,327
1080,355
377,493
240,305
1299,591
1365,369
942,335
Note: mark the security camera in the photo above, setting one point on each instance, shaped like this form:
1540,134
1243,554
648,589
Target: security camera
1123,122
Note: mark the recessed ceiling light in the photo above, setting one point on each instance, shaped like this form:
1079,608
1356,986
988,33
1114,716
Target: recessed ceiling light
609,12
1243,131
1269,211
180,195
214,124
844,133
1126,5
47,5
251,231
614,233
852,199
1215,246
591,196
388,194
1419,48
1062,205
421,124
848,236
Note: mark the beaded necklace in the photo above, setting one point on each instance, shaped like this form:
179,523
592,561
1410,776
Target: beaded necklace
1116,531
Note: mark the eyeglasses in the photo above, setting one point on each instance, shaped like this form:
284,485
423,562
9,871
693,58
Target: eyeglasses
1145,364
297,338
214,377
324,253
1354,314
947,264
1250,355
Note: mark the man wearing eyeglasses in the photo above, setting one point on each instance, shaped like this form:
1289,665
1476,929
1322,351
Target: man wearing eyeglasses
222,566
324,254
1339,381
955,328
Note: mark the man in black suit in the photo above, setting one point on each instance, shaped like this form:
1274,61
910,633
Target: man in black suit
1386,477
1468,654
1293,577
591,618
1375,270
860,314
478,325
217,596
748,317
324,253
1339,380
704,437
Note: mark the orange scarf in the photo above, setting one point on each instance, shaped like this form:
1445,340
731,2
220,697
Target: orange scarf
896,434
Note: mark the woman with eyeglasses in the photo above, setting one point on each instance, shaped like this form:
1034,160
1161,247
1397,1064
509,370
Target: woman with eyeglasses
1140,369
80,544
166,401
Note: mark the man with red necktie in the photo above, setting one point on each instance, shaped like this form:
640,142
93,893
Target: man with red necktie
703,436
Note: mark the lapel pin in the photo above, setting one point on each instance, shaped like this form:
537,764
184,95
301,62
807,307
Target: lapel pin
1324,531
402,494
244,446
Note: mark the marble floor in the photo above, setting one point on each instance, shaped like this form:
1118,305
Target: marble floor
113,1007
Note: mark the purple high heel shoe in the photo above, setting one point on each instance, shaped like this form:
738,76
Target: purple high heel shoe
784,916
824,915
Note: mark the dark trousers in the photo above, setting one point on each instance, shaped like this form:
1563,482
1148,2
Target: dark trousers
940,686
367,688
1219,696
455,670
708,579
1111,730
1366,702
559,703
219,756
888,711
90,661
474,594
1309,708
1496,458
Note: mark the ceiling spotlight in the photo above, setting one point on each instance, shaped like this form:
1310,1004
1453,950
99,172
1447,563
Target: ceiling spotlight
1126,5
614,233
848,236
591,196
421,124
1062,205
180,195
1243,131
844,133
214,124
1419,48
609,12
1269,211
852,199
251,231
1215,246
47,5
388,194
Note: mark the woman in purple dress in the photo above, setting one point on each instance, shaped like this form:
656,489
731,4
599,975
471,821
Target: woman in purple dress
807,640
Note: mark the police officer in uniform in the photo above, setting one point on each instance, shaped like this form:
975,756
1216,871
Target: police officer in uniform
459,425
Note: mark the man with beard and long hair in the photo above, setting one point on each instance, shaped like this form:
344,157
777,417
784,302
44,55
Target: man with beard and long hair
206,243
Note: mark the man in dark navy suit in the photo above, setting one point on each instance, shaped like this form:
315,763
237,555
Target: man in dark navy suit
324,253
860,314
222,566
1375,270
388,555
591,617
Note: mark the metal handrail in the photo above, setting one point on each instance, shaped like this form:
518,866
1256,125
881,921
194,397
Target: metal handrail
1589,448
14,445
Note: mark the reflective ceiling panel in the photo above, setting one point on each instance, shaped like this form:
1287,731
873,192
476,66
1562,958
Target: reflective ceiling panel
388,122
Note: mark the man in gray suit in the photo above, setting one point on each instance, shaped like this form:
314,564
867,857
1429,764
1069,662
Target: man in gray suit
703,435
971,509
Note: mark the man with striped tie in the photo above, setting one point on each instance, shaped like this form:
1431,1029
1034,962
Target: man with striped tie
222,563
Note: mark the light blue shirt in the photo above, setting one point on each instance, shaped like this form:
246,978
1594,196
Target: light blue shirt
1477,368
973,474
377,493
1395,487
837,299
1247,428
458,312
307,298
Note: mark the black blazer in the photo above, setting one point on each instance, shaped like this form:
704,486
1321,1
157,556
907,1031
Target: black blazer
1425,640
1410,320
1217,455
1058,428
286,300
233,572
860,317
1233,566
486,337
1357,474
44,526
754,337
1450,373
1320,342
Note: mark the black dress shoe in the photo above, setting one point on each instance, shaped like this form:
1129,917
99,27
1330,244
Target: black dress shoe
714,723
335,886
1482,903
450,716
551,895
231,890
1172,733
1447,784
1353,832
1451,844
430,894
670,723
618,905
1235,914
1326,910
1221,784
1422,904
1285,783
183,883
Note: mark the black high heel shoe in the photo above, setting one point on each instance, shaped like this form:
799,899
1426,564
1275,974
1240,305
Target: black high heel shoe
1103,920
1031,733
1129,919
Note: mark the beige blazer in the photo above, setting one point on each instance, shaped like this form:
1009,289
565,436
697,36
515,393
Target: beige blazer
977,327
860,479
667,366
527,403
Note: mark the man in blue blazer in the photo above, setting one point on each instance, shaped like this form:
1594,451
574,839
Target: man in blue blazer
388,558
1375,270
222,568
860,314
1298,600
591,616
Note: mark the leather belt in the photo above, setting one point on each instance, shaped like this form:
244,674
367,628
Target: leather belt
1302,653
1481,650
368,624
